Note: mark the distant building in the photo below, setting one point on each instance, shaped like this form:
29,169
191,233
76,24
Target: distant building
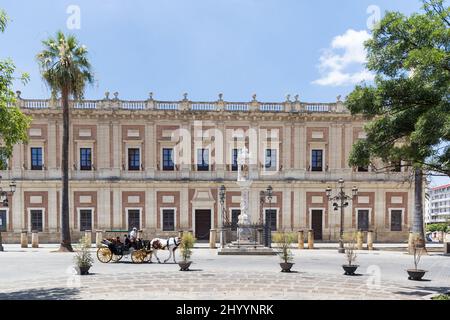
439,204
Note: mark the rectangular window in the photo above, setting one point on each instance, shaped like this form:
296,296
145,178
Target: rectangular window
271,160
202,160
85,219
363,220
2,220
234,156
235,218
36,158
134,161
4,160
85,159
168,218
363,169
271,219
396,220
168,159
36,220
396,166
134,219
316,160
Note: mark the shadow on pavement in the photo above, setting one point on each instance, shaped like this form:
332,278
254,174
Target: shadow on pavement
423,291
41,294
193,270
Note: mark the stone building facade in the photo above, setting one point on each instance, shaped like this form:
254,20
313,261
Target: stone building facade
159,165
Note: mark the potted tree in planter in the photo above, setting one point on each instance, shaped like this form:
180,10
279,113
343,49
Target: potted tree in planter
350,254
416,274
284,241
187,243
83,257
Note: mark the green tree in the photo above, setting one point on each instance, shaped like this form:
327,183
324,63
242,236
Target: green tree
437,227
66,70
408,105
13,123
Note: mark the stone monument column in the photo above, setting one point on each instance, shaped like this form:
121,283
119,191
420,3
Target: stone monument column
244,220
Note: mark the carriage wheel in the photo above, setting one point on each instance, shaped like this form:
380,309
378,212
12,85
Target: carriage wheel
116,257
104,255
138,256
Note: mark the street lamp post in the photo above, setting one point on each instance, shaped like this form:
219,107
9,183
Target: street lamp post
262,201
224,216
268,237
340,201
4,200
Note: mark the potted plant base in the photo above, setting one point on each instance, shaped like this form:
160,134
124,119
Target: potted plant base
350,269
286,266
418,249
415,274
184,265
84,270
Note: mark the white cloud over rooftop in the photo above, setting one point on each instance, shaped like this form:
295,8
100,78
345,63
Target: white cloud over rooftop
343,62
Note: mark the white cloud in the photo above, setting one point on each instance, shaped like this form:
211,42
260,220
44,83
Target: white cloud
346,51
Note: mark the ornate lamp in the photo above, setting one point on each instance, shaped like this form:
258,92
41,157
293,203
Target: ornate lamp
340,201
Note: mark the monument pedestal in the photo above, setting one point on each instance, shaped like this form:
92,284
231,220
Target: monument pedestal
246,249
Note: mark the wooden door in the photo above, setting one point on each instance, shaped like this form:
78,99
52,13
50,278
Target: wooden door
316,223
2,220
202,224
396,220
363,220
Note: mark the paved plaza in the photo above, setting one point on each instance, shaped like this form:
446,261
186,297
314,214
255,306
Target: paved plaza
43,274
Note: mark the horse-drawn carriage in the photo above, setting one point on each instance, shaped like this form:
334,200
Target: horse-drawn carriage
113,250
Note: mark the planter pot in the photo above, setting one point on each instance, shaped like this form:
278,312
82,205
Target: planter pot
349,269
84,270
184,265
415,274
286,266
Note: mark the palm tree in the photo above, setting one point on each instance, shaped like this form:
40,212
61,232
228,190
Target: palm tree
418,222
66,70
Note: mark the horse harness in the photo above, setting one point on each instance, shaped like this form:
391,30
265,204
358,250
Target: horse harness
158,246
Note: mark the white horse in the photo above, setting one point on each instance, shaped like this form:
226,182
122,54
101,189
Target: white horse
170,244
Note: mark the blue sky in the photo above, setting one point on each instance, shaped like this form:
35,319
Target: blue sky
204,47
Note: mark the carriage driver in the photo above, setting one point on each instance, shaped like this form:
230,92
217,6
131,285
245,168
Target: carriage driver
133,238
133,234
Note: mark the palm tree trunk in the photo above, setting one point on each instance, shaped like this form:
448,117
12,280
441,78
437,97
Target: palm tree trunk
417,227
65,220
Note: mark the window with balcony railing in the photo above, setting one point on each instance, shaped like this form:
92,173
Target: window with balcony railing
202,160
234,156
168,164
270,163
36,159
134,161
316,160
85,159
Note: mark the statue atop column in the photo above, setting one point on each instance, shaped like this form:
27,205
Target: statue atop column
243,162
